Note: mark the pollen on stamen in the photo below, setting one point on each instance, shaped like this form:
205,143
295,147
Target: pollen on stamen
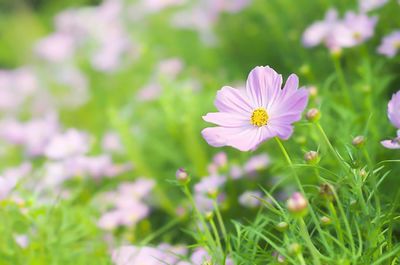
259,117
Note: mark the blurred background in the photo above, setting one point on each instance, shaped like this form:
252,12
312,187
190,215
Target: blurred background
96,93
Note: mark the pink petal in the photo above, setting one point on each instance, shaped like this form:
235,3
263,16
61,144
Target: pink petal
394,110
244,139
232,100
295,102
282,130
227,119
262,84
217,136
390,144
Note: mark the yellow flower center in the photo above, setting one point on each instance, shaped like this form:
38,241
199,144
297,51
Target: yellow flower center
259,117
357,35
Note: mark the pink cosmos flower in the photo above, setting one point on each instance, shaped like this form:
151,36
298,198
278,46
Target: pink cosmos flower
360,28
390,44
257,163
321,31
353,30
369,5
394,117
264,110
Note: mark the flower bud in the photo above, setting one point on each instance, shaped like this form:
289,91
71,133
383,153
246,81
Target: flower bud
305,69
336,52
212,193
325,220
294,249
313,91
282,226
279,258
297,204
182,176
326,191
358,141
311,157
313,115
363,174
209,216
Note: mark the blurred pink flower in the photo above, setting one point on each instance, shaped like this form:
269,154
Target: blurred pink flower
390,44
132,255
56,48
369,5
128,207
353,30
321,31
209,184
158,5
256,163
170,68
263,111
394,117
16,87
199,256
6,186
236,171
111,143
220,159
250,199
149,92
69,144
360,27
33,135
22,240
99,32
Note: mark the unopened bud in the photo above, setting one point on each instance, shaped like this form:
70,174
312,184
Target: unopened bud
325,220
212,193
336,52
182,176
313,115
313,91
326,191
282,226
305,69
363,174
311,157
297,204
294,249
279,258
209,216
358,141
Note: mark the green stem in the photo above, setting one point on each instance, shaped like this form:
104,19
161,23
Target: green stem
337,222
301,258
330,146
216,234
374,183
297,179
306,236
200,216
221,224
342,80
